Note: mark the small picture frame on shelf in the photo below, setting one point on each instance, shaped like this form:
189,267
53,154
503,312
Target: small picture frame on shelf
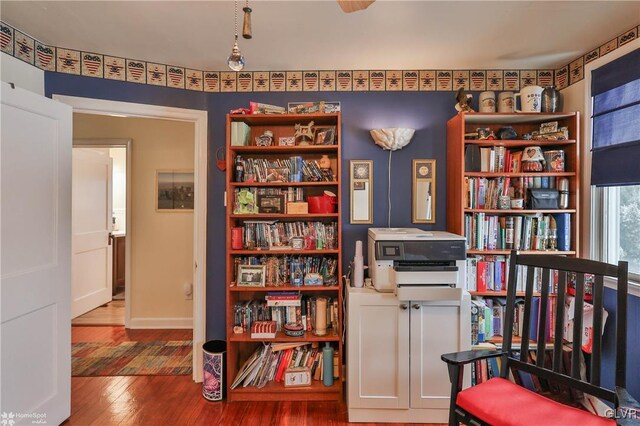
251,275
273,204
324,135
287,141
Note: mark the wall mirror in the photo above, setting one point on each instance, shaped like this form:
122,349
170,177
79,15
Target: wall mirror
361,181
423,197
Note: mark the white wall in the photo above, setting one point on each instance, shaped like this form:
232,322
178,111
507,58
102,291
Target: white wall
20,73
119,156
161,242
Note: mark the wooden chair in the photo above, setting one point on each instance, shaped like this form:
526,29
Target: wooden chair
499,401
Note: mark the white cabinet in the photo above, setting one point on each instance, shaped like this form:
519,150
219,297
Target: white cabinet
394,371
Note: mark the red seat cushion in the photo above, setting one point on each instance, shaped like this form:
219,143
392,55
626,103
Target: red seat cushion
500,402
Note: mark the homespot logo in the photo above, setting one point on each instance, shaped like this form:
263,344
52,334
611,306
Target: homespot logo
9,419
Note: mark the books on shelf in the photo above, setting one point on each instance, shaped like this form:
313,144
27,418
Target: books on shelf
483,193
263,169
520,232
268,363
272,234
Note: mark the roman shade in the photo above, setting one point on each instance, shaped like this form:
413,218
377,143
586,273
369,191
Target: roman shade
615,88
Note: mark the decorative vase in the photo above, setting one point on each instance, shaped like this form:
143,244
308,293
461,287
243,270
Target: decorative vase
550,99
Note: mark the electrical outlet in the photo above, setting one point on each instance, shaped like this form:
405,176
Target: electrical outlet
187,289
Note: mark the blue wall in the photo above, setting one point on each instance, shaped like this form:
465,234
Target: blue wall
427,112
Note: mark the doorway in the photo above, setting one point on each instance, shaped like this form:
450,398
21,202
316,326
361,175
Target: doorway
98,288
199,121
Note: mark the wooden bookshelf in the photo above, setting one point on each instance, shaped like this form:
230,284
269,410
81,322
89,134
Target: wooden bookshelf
457,202
240,346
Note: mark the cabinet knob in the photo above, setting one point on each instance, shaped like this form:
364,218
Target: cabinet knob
415,306
404,306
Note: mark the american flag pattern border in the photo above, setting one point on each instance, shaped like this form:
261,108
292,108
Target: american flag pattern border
57,59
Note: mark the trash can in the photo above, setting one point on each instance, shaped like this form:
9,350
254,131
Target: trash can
214,361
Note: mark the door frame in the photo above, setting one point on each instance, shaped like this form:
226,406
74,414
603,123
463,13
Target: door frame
199,119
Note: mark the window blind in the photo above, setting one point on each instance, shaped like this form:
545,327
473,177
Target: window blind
615,88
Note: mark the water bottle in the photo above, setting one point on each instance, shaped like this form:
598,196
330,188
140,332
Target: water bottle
327,365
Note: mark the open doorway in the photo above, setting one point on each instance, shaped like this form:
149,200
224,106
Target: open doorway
197,120
99,203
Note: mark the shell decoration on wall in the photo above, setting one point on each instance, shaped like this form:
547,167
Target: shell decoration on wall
392,138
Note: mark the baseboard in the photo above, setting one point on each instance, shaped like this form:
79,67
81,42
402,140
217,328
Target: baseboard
169,323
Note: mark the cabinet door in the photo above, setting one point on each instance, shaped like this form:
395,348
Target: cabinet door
378,351
437,327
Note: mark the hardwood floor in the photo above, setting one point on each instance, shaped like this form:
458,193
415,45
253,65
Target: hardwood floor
110,314
177,400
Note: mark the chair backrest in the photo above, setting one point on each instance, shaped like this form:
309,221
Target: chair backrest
549,278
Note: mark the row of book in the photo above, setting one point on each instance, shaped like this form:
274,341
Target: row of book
499,159
279,170
304,313
521,232
270,362
483,193
293,270
275,235
488,314
490,273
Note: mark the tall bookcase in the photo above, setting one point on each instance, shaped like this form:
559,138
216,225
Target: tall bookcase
458,206
240,345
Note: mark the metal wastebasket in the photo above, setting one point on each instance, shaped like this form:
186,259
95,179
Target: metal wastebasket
214,361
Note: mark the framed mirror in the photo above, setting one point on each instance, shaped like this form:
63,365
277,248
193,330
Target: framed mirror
360,190
423,197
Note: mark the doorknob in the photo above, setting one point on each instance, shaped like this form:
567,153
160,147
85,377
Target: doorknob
415,306
404,306
110,238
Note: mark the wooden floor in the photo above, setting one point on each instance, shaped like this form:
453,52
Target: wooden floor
177,400
110,314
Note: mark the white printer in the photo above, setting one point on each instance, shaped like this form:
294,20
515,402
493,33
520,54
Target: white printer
417,264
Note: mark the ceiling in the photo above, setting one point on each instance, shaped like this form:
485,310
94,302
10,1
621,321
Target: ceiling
294,35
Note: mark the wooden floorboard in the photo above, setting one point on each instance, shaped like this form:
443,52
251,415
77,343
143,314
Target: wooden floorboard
177,400
110,314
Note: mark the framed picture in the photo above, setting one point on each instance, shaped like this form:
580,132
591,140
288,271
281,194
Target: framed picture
271,204
360,189
287,141
251,275
324,135
423,197
174,190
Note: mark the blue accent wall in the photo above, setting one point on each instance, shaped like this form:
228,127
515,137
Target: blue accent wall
427,112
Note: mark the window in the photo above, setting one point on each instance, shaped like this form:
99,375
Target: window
615,168
619,208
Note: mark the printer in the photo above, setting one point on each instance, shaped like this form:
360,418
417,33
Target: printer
416,264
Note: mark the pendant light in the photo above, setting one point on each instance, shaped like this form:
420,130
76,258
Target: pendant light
246,26
236,60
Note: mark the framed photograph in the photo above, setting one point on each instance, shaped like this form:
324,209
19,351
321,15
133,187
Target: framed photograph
287,141
324,135
360,189
423,197
277,174
271,204
174,190
251,275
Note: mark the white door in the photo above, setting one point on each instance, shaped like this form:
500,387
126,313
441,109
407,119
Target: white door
377,351
35,278
91,223
436,328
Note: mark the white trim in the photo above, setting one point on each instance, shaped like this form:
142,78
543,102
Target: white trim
153,323
634,288
199,118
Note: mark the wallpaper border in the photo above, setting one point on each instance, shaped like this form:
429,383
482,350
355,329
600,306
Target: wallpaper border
59,59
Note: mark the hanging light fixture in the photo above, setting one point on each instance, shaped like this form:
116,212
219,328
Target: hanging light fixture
236,60
246,26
